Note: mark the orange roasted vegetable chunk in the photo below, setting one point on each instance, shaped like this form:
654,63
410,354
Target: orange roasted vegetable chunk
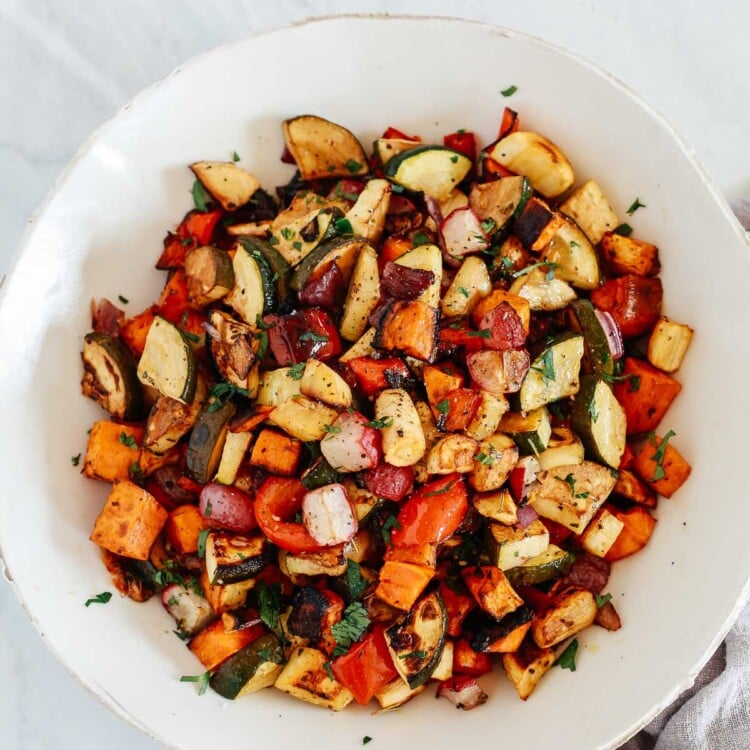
401,583
183,528
130,521
496,298
410,327
215,644
661,467
134,330
112,450
639,525
416,554
634,302
645,394
277,453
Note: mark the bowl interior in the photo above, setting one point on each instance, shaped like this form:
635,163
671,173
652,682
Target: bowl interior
100,233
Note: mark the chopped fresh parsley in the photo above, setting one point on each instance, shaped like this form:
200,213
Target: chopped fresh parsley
454,159
448,487
208,509
269,604
484,459
567,659
390,523
464,291
549,265
547,370
135,471
182,635
488,226
351,628
366,739
295,371
201,679
443,407
602,599
223,392
509,91
235,156
482,333
128,440
122,299
573,243
343,225
329,670
593,413
312,336
201,198
634,381
571,482
420,238
75,460
202,542
414,655
187,242
379,424
354,579
634,206
624,230
331,429
102,598
353,166
287,233
658,457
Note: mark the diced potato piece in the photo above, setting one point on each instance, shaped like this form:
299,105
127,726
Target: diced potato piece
489,586
489,414
470,284
130,521
543,293
232,456
227,597
590,209
367,215
511,546
668,344
305,677
303,419
362,296
183,529
601,533
319,381
329,561
403,439
453,453
444,669
565,448
499,506
625,255
569,613
112,450
426,258
497,456
276,387
229,184
527,666
361,348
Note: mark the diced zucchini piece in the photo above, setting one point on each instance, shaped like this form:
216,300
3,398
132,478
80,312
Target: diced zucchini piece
537,158
600,420
206,443
362,296
255,667
571,495
470,284
323,149
209,275
426,258
668,344
564,448
531,430
416,642
554,374
601,533
627,255
525,667
541,292
395,694
274,260
228,183
168,362
452,453
343,251
276,387
367,215
493,463
499,201
598,358
510,546
231,558
254,292
304,677
329,561
234,350
569,613
232,456
403,437
432,170
110,376
303,419
552,563
574,256
590,209
499,506
386,148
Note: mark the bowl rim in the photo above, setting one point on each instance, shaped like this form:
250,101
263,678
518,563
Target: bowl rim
98,692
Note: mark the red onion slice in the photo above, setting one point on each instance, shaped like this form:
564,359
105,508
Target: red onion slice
527,515
612,332
402,282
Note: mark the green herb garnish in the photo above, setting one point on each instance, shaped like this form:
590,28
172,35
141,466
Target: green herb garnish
484,459
379,424
602,599
659,453
443,407
122,299
201,198
482,333
343,226
624,230
235,156
390,523
567,659
331,429
509,91
201,679
295,371
549,265
414,655
128,440
329,670
75,460
571,482
488,226
464,291
353,166
366,739
454,159
202,542
354,579
102,598
269,604
634,206
420,238
547,370
442,490
351,628
223,392
287,233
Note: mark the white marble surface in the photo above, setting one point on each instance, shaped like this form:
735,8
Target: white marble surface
68,65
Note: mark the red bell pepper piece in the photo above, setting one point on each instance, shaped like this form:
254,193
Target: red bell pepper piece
509,123
189,485
276,500
301,335
469,662
457,607
390,482
134,330
633,301
465,142
536,599
461,335
196,229
373,375
433,513
367,667
396,133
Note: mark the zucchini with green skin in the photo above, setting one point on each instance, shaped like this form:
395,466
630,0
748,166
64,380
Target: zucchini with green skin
209,275
343,251
574,256
600,420
531,431
432,170
416,642
168,363
254,291
598,358
552,563
110,376
510,546
564,448
386,148
207,441
319,474
554,374
251,669
279,267
500,201
231,558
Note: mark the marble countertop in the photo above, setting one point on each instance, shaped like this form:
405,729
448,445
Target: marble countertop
69,66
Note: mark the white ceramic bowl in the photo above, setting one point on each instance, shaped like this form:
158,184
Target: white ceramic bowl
100,232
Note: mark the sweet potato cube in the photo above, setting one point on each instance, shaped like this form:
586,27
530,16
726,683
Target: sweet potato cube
416,554
440,382
638,525
645,394
134,330
495,299
625,255
401,583
112,450
666,471
492,591
130,521
183,528
277,453
215,644
411,327
629,486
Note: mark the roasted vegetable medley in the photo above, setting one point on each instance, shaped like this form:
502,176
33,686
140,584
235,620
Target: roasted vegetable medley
392,427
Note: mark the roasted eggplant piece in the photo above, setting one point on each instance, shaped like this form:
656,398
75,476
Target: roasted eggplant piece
207,441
